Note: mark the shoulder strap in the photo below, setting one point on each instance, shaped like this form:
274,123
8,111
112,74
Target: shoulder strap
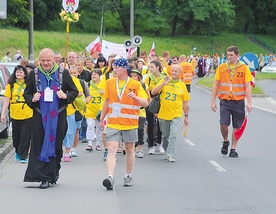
60,75
82,84
144,86
107,75
36,78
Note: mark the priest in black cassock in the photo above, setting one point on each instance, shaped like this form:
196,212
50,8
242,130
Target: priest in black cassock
48,90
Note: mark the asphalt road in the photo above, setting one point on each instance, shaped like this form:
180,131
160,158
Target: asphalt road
269,87
200,181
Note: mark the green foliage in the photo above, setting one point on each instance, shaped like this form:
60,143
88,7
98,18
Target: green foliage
10,41
149,20
261,76
211,17
152,17
255,16
209,81
17,12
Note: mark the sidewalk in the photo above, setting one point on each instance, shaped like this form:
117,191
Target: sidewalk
264,103
6,148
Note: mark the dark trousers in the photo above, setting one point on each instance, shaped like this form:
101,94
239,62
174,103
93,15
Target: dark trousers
152,122
21,136
83,128
141,131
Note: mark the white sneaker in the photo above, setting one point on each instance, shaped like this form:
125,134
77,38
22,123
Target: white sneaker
140,154
73,154
151,151
170,159
160,149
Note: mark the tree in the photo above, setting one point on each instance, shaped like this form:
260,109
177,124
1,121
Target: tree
18,13
211,17
255,16
149,19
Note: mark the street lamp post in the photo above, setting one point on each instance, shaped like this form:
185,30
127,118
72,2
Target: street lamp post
101,32
31,31
131,18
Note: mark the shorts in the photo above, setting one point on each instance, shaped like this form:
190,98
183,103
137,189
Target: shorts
232,108
127,136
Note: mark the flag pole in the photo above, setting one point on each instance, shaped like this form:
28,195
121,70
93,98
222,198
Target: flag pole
66,40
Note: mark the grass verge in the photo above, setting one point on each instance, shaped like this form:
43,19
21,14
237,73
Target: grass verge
209,81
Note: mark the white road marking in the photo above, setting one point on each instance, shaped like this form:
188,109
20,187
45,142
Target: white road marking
217,166
189,142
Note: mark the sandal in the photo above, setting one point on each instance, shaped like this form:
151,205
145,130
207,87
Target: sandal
224,149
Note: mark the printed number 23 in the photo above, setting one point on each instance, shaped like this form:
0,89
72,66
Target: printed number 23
169,95
96,100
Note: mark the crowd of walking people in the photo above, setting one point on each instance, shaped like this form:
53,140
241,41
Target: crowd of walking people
72,99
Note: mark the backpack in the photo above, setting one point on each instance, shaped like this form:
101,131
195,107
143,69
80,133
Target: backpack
80,102
60,74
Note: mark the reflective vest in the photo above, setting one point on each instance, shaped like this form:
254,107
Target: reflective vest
187,72
235,89
129,108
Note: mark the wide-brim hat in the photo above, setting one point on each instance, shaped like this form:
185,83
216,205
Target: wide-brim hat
137,72
141,60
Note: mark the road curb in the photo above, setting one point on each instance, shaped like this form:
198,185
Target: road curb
6,148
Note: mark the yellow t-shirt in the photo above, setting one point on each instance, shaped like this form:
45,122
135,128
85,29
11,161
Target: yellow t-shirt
96,102
70,108
143,110
19,110
141,93
171,100
103,80
153,82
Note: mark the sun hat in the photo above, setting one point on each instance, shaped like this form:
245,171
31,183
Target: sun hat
137,72
141,60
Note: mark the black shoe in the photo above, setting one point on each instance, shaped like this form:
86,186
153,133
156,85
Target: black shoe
44,185
224,149
54,181
233,153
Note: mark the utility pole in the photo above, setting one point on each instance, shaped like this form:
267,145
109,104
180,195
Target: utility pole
131,19
102,20
31,31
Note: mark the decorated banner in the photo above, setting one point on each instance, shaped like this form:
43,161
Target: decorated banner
94,47
69,15
113,48
70,6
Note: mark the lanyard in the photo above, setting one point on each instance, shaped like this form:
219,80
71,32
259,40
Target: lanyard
121,92
232,73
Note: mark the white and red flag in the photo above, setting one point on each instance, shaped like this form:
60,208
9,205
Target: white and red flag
152,50
94,47
131,51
